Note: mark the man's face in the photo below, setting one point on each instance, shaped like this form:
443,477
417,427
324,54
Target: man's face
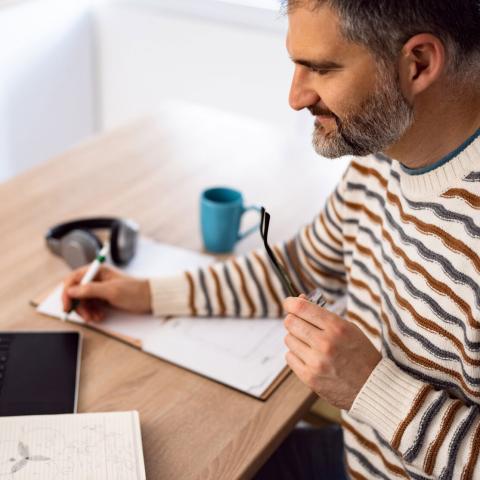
357,104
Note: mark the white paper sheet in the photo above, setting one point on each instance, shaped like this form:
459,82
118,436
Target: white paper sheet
94,446
246,354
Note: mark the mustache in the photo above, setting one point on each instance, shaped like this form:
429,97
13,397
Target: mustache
316,110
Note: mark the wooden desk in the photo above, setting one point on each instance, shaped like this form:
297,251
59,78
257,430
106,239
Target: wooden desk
153,171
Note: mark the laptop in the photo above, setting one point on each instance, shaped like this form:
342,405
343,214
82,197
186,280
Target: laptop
39,372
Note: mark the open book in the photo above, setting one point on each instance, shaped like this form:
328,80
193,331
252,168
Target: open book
97,446
246,354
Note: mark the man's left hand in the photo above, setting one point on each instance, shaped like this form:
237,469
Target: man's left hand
330,355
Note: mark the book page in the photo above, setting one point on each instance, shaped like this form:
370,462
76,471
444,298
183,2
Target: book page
246,354
93,446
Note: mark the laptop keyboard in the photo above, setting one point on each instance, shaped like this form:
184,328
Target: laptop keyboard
5,342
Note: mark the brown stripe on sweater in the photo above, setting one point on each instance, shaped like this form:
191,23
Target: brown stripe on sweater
335,211
376,298
467,473
436,285
447,421
322,273
297,265
355,475
279,255
370,172
268,281
417,404
191,294
439,287
352,473
244,289
218,290
329,232
318,253
426,228
425,362
402,302
469,197
364,286
354,318
415,358
373,447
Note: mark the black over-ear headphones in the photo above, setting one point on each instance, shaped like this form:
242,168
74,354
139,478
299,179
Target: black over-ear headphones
77,245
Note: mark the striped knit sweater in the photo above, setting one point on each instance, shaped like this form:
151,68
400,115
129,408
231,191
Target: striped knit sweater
405,249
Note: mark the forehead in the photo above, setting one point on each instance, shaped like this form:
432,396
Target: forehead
316,35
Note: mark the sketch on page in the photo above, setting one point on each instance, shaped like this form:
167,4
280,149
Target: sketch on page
247,354
103,446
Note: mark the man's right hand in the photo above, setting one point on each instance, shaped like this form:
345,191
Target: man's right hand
110,287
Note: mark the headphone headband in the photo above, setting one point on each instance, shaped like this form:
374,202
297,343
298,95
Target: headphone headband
60,230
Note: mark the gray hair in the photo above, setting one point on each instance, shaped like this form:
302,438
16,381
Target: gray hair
384,26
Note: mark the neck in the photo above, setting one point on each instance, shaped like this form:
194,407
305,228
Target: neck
439,128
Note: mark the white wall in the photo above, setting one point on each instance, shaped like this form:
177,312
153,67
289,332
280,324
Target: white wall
46,80
149,54
62,74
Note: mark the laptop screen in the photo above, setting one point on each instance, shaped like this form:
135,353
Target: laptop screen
39,372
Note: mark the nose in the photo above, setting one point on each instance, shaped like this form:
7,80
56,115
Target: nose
302,95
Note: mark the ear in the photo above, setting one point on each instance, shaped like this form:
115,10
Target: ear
422,62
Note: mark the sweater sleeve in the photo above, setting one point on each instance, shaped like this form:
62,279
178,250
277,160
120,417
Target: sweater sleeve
434,433
247,286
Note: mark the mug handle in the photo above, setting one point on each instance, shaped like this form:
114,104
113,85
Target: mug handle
245,234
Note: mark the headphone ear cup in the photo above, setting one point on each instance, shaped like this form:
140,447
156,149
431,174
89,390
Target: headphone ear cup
79,247
123,241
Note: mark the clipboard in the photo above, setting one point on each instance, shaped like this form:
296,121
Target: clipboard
266,373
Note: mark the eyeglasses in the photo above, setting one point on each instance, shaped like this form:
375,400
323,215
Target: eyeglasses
315,296
282,274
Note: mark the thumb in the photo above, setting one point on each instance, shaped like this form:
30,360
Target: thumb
302,295
90,290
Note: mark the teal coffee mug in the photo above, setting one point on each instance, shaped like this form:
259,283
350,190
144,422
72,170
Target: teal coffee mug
221,210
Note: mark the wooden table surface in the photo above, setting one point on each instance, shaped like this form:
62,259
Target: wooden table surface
153,171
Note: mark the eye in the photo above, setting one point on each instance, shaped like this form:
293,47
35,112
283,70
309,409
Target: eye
319,71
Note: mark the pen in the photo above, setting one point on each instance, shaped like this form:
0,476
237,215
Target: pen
90,274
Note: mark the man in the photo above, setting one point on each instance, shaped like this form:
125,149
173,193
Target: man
400,237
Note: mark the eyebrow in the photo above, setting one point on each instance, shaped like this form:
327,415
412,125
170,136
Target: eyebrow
325,65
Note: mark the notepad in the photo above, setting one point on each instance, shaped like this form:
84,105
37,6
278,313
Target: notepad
93,446
245,354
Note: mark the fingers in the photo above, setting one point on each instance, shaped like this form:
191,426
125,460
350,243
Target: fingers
300,349
72,279
304,331
108,272
73,289
91,311
310,312
296,365
99,290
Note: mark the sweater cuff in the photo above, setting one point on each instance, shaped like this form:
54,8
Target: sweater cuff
169,295
386,398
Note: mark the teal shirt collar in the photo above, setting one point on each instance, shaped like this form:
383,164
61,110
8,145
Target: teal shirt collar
445,159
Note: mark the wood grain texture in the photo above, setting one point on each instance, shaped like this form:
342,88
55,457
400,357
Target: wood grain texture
153,171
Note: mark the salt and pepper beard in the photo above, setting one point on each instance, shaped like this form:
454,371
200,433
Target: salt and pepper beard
379,122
